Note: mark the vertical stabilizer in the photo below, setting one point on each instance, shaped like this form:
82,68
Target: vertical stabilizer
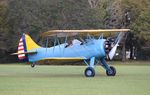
30,44
25,45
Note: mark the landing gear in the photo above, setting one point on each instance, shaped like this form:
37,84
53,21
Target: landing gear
32,65
111,72
89,72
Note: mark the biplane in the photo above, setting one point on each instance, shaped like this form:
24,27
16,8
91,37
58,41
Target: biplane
92,50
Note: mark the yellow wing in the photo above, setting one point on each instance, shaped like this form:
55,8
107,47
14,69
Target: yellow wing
95,32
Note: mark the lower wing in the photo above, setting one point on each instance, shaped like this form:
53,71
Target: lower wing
64,58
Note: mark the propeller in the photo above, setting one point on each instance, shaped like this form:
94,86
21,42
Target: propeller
114,48
113,51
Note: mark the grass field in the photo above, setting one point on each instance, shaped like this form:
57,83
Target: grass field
18,79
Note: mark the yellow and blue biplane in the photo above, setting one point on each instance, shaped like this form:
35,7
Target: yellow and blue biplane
91,50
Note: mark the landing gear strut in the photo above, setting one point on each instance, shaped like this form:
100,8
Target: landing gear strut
110,71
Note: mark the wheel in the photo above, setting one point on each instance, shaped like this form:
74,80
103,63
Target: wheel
89,72
32,65
111,72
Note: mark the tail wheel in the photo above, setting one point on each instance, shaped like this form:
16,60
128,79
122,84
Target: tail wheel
32,65
111,72
89,72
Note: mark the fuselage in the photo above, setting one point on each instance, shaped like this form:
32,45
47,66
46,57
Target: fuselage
92,48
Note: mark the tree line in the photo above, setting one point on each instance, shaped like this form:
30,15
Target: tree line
37,16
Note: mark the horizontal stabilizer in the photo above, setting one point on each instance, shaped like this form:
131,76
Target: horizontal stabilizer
32,52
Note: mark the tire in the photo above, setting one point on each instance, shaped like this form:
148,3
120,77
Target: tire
112,72
89,72
32,65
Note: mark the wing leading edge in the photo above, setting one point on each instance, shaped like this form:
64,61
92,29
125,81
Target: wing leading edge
62,33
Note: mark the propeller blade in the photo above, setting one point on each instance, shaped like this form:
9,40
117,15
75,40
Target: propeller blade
113,51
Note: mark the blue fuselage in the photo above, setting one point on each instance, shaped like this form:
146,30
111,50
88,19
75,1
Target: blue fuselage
92,48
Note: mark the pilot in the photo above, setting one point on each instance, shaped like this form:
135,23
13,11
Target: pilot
73,42
76,42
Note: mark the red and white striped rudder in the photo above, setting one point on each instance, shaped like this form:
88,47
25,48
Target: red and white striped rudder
21,49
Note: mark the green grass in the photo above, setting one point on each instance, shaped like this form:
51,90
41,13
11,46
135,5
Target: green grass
69,80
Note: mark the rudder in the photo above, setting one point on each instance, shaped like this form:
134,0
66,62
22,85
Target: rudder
22,49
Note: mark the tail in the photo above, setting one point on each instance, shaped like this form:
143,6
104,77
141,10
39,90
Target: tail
26,46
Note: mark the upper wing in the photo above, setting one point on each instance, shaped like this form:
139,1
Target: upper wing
95,32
